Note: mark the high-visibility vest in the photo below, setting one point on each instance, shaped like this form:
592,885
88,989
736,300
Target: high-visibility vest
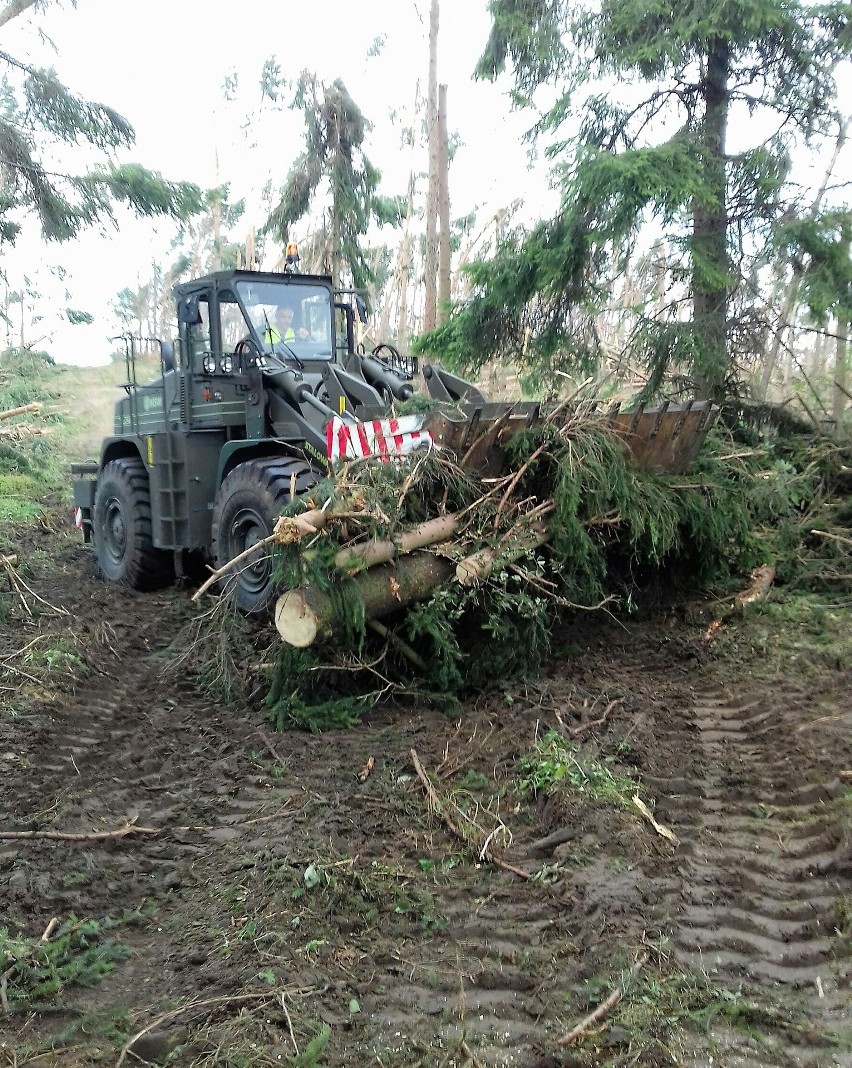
271,335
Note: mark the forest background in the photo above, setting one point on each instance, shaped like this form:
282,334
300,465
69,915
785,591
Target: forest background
229,104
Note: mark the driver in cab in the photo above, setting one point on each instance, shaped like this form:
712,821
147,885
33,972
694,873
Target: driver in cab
283,329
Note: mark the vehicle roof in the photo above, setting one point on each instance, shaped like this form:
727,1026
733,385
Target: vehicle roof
222,279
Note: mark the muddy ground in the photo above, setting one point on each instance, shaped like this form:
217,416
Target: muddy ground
285,905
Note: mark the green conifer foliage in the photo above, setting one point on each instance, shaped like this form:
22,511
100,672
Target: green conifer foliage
38,116
334,157
648,145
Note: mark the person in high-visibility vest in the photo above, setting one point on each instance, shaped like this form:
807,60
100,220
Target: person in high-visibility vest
283,328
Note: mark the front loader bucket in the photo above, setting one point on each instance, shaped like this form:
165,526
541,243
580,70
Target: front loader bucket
664,439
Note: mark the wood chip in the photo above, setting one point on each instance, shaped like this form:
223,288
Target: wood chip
666,832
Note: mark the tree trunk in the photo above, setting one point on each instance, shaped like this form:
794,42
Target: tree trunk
363,555
710,266
404,268
17,7
307,615
431,268
480,565
841,370
443,207
216,251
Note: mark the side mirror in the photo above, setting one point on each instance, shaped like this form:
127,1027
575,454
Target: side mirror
167,354
188,311
361,308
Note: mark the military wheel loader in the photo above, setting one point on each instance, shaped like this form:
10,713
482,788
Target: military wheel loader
203,459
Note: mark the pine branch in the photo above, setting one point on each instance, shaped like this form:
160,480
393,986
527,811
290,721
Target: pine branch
15,8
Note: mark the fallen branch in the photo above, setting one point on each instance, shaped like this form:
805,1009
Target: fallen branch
83,836
599,722
403,647
131,1042
605,1007
439,807
660,828
4,978
51,927
16,582
516,478
354,558
833,537
471,1056
480,565
287,530
811,415
23,430
758,589
542,845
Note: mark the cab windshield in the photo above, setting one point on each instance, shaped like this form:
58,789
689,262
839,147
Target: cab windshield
289,315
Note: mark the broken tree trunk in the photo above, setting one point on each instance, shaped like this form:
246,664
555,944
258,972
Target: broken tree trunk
480,565
758,589
307,615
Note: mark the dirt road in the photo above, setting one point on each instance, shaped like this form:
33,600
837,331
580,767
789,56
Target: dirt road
290,897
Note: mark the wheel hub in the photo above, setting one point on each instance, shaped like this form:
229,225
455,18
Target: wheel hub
247,529
115,530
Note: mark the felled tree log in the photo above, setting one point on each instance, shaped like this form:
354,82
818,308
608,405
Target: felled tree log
10,413
355,558
307,615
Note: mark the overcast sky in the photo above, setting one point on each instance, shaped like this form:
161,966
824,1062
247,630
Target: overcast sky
162,64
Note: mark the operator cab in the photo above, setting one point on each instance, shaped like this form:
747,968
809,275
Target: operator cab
288,316
229,321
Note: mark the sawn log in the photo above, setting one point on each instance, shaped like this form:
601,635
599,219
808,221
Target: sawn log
306,615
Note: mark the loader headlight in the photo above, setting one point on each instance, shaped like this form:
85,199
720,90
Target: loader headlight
226,364
209,365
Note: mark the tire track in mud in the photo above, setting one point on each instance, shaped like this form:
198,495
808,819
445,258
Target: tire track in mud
766,860
133,744
479,980
129,745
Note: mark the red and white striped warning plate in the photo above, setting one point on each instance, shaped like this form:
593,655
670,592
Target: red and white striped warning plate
382,438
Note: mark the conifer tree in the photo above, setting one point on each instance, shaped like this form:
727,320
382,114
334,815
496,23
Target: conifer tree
651,147
41,118
334,165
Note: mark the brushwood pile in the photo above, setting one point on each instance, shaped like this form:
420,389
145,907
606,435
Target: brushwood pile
422,579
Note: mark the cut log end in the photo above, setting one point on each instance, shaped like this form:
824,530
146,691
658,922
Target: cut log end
295,620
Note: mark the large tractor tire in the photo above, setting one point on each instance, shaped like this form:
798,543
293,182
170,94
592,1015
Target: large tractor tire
122,528
247,507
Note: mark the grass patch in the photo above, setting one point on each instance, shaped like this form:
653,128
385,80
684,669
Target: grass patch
263,1036
76,415
808,632
557,763
368,898
664,1014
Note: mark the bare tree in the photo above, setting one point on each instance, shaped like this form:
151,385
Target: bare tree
443,208
431,267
